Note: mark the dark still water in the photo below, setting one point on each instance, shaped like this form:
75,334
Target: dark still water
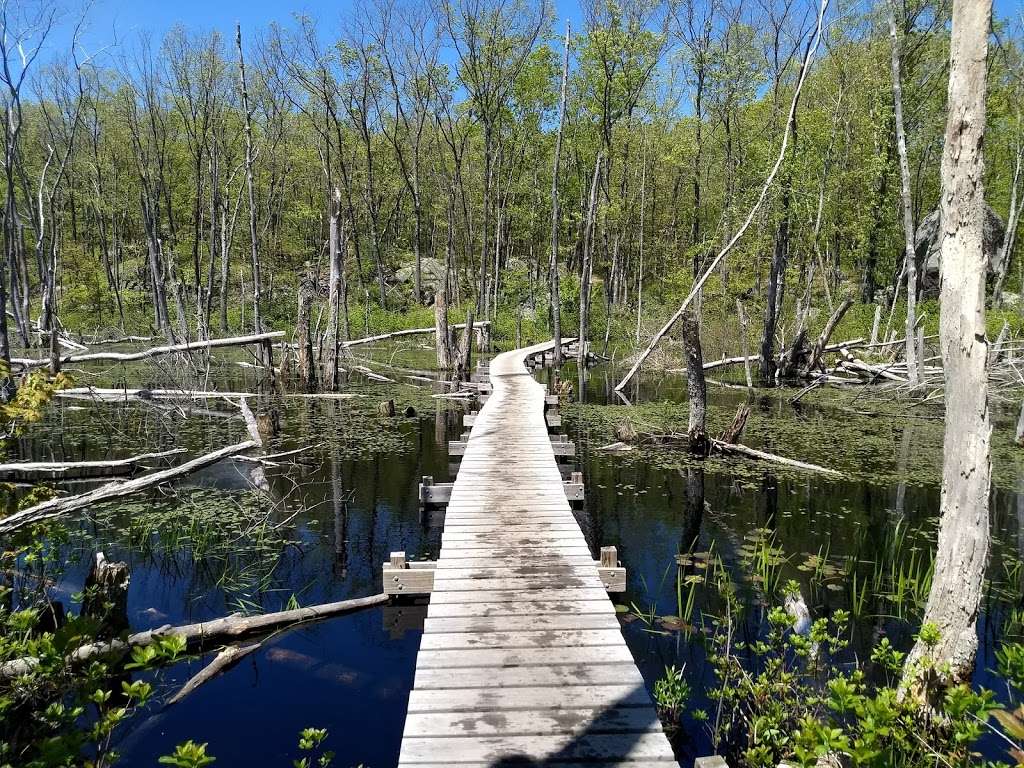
316,526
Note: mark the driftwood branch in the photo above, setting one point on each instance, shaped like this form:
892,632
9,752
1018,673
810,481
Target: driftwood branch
814,359
74,470
222,662
478,327
753,453
116,490
205,633
167,349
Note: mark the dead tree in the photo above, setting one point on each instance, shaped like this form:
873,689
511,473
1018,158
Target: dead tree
587,263
337,311
466,347
963,543
910,257
250,186
105,597
697,391
556,301
442,332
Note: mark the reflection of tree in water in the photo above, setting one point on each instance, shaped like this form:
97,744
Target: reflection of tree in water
768,500
693,508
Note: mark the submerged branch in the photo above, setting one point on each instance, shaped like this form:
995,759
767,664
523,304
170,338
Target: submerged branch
116,490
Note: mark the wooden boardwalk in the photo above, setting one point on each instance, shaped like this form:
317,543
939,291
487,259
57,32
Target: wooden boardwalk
522,660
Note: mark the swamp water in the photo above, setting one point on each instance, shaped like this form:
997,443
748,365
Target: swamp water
317,526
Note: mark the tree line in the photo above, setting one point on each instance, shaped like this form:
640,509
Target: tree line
475,151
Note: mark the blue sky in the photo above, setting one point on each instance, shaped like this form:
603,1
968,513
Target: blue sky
111,20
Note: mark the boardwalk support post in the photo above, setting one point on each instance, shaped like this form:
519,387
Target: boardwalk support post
612,575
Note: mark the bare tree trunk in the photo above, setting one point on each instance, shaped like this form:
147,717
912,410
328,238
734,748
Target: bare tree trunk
250,185
556,301
963,542
442,335
336,282
587,265
1010,236
908,210
697,391
741,313
466,347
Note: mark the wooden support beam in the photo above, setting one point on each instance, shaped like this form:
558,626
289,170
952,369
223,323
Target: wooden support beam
561,448
551,400
713,761
553,419
613,576
439,493
416,578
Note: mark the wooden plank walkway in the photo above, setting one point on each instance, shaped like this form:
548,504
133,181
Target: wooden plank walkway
522,660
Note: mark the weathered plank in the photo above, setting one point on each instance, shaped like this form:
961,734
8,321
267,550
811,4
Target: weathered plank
560,676
569,746
534,697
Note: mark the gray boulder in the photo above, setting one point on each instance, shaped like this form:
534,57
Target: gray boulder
926,247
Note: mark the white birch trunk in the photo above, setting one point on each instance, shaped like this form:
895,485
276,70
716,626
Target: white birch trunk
963,543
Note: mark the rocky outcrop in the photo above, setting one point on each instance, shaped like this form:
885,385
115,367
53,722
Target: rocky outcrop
926,248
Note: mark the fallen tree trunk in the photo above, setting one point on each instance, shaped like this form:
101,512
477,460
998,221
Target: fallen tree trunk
204,633
64,505
814,359
167,349
223,661
478,327
64,470
110,394
724,447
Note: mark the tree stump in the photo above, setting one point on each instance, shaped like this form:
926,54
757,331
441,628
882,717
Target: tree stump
106,596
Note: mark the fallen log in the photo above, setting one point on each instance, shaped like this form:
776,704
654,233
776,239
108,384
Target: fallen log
371,375
876,371
113,394
204,633
223,661
478,327
116,490
724,447
168,349
65,470
814,360
727,361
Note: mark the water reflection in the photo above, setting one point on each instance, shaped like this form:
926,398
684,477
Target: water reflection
333,518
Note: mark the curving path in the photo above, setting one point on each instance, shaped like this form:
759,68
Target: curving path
522,660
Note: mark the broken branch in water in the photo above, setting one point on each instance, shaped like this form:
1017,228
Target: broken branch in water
223,661
753,453
204,633
127,357
67,470
116,490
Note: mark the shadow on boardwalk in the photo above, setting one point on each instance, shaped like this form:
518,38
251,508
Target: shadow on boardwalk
601,743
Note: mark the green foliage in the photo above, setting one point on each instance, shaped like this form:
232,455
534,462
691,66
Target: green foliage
310,740
671,692
799,698
188,755
68,710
